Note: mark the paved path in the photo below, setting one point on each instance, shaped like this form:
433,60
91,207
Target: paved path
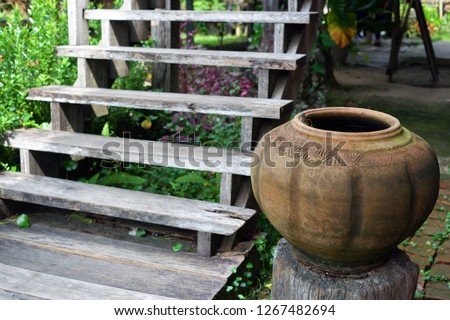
430,249
412,52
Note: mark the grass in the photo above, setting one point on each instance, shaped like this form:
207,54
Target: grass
430,121
213,40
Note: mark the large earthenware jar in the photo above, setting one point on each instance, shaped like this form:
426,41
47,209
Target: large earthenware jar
345,185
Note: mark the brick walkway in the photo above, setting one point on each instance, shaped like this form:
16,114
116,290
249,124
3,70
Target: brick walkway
430,249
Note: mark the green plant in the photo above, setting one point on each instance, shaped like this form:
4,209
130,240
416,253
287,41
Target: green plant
23,221
27,60
242,281
210,5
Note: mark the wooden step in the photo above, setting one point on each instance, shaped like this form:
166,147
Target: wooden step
203,16
228,106
45,286
49,261
132,150
242,59
121,203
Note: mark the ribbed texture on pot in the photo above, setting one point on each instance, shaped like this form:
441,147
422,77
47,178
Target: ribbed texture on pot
342,200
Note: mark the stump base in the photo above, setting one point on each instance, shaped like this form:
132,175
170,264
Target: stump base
396,279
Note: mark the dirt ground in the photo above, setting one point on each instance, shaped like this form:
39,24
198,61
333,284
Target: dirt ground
421,105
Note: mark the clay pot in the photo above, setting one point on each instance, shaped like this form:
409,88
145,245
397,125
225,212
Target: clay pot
345,185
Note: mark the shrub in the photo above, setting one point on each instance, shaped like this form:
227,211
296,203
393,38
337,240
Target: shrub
27,59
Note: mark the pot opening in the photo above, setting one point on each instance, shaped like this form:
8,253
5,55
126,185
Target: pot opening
345,123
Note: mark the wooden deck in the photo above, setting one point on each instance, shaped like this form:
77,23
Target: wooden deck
59,257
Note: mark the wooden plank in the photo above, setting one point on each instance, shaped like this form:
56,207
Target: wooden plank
279,43
116,33
228,106
114,274
116,251
78,27
242,59
9,295
166,34
203,16
39,163
5,211
66,118
139,30
47,286
248,128
131,151
125,204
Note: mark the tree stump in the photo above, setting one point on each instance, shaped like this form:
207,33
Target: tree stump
294,280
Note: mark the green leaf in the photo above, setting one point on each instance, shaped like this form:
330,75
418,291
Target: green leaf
342,28
191,178
94,178
249,265
23,221
229,288
138,233
177,247
70,165
81,217
105,130
234,270
121,178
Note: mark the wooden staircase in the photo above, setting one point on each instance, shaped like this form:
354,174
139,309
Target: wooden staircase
98,266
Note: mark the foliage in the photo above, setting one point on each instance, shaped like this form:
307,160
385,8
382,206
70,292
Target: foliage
23,221
161,180
27,60
437,27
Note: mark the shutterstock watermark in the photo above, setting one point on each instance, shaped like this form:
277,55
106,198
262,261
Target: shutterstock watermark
216,157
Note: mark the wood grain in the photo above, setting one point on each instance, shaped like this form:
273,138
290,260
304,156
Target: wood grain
228,106
202,16
116,251
114,149
242,59
293,280
121,203
45,286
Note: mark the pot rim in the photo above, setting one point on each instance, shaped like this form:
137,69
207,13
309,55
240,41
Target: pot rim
300,123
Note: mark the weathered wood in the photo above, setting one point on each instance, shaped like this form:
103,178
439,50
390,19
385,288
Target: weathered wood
9,295
102,275
203,16
5,211
67,117
166,34
128,150
116,251
204,244
230,193
293,280
121,203
183,56
90,73
248,123
139,30
78,27
228,106
115,33
46,286
39,163
279,43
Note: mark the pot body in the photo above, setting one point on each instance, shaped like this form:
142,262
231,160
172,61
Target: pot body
345,185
